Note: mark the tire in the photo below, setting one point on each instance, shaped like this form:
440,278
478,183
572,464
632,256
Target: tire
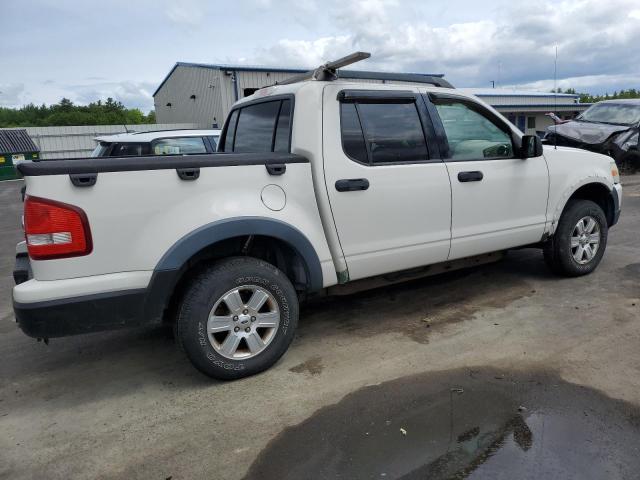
241,338
561,252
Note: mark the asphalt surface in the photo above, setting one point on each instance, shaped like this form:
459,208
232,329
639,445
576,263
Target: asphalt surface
502,371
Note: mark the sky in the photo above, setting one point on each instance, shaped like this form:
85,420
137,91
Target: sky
87,50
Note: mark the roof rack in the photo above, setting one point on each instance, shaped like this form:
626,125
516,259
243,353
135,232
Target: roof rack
329,71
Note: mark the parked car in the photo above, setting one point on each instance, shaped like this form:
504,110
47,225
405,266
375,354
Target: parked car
160,142
610,127
318,186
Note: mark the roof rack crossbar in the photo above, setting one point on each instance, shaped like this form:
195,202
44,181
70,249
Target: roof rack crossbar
329,71
433,79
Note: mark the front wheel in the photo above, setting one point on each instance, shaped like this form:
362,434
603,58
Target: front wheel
237,318
580,239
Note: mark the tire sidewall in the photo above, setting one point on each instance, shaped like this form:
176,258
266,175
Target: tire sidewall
208,288
574,213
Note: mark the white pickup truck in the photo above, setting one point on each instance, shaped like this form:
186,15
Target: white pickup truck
318,183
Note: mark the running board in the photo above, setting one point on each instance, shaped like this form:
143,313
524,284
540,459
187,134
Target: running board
413,274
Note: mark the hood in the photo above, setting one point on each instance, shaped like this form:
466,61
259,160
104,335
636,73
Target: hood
585,132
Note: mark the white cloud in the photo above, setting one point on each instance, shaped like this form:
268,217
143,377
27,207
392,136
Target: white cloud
515,46
11,94
186,13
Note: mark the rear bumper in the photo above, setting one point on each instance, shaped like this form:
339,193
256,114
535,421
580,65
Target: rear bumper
58,308
85,314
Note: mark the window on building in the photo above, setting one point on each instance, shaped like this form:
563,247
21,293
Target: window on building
531,122
179,146
377,133
471,135
261,127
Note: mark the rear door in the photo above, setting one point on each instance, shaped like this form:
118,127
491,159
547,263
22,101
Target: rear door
389,191
498,200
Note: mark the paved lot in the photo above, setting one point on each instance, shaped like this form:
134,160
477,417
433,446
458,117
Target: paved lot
502,371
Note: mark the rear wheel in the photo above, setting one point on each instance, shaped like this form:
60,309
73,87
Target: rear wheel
580,239
237,318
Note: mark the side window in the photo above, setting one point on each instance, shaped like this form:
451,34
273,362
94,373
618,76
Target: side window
377,133
352,136
256,124
214,142
230,134
261,127
283,128
130,149
179,146
470,134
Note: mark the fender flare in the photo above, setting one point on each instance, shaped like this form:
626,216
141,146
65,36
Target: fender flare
168,270
573,188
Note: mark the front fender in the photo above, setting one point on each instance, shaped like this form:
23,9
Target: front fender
572,188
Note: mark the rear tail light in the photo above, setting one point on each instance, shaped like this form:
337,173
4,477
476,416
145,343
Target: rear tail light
55,230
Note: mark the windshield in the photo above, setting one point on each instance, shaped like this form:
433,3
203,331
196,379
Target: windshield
615,113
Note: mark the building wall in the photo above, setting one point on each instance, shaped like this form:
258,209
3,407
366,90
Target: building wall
216,93
77,141
214,90
206,108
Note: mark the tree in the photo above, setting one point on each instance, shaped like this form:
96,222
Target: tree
65,112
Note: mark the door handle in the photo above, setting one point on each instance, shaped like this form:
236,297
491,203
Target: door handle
276,168
352,184
474,176
188,174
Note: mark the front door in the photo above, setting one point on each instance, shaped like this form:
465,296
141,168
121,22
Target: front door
499,201
389,191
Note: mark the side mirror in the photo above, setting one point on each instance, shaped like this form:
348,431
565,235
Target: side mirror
531,146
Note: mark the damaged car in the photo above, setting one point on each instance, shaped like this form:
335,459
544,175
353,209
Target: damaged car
610,127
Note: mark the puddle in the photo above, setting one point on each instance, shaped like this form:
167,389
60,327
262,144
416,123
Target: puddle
476,424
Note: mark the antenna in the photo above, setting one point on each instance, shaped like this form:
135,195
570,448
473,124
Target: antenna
555,98
328,70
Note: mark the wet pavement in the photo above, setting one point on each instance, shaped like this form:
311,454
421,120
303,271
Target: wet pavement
472,423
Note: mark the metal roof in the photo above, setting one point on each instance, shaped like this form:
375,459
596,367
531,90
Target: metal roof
264,68
506,92
16,141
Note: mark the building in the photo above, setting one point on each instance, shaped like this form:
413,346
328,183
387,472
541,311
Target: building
527,109
203,93
15,146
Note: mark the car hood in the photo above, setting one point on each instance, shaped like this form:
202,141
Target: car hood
591,133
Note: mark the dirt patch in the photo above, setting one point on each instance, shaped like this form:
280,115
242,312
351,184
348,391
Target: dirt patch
312,366
479,423
419,307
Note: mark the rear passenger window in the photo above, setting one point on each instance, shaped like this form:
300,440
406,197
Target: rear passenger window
230,133
376,133
259,128
352,136
281,142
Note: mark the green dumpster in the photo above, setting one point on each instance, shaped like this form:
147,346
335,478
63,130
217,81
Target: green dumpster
15,146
